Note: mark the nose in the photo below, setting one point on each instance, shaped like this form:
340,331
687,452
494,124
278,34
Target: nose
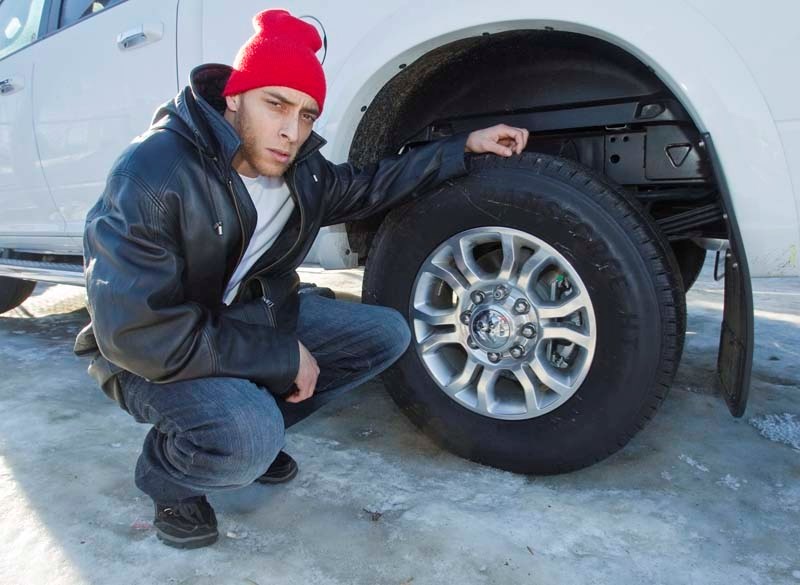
290,130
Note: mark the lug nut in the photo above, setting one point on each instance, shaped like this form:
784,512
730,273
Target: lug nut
477,297
516,352
472,343
493,357
465,317
529,330
500,292
522,306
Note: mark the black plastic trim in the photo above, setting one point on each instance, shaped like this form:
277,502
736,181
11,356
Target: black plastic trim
737,335
49,17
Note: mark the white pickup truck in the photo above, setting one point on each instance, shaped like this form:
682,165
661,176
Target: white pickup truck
546,293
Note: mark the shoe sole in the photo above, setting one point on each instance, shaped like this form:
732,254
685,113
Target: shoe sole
273,480
186,542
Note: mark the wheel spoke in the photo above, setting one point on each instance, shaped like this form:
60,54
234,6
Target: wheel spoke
567,333
532,268
528,381
486,384
464,259
437,340
433,316
563,339
463,379
454,279
565,309
551,377
509,257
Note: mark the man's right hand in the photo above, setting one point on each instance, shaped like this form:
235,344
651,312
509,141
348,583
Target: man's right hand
307,374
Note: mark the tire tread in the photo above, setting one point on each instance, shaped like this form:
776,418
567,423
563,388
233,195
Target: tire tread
653,248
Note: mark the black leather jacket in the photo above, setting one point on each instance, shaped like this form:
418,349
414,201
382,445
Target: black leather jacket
167,233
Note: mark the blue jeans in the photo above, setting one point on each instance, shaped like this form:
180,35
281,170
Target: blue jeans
214,434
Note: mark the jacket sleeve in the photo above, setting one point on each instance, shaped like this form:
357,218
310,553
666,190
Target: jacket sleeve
141,319
353,193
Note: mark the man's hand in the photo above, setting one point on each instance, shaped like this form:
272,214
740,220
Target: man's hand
501,139
307,374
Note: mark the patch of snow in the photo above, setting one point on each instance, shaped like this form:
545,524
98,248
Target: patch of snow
692,463
730,482
779,428
666,475
326,442
236,535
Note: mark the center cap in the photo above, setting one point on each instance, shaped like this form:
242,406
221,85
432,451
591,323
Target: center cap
491,329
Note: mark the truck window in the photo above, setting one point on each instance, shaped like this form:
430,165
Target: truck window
19,24
74,10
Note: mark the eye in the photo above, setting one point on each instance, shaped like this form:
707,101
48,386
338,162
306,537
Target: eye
274,103
310,118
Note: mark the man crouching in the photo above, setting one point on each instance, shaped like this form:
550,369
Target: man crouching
190,255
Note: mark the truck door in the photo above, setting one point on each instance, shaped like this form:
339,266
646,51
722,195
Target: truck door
100,74
26,207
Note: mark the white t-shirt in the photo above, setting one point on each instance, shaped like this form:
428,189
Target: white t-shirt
274,205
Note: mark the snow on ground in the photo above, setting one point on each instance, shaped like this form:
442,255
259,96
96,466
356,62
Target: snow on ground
781,428
697,497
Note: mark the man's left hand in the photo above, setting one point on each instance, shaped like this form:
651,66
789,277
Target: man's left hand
501,139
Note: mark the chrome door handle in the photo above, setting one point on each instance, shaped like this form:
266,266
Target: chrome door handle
139,36
10,85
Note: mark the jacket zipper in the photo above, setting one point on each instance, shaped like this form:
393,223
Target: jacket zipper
241,222
268,302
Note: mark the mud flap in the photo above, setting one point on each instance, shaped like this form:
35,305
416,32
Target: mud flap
736,339
735,359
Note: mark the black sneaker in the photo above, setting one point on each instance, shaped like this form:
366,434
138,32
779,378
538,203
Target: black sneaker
282,469
190,523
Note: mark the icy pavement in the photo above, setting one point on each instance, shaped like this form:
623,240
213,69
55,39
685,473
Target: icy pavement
697,497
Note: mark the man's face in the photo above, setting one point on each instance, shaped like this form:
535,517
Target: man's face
272,123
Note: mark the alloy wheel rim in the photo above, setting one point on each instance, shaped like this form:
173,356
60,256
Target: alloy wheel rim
503,323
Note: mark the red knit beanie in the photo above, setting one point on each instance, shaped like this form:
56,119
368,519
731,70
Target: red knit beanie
281,52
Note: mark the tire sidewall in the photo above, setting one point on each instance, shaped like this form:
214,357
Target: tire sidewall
14,292
608,259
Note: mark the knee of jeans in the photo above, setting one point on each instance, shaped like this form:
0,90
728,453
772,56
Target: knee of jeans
398,332
242,445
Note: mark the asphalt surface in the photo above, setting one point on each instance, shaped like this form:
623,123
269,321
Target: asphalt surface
697,497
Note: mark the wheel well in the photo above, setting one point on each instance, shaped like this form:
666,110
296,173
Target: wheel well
539,79
496,73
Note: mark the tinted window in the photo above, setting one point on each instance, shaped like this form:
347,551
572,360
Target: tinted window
74,10
19,24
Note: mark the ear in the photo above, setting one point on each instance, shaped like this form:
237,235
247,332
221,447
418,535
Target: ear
232,102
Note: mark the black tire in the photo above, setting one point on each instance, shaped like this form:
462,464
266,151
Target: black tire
690,258
13,292
625,263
